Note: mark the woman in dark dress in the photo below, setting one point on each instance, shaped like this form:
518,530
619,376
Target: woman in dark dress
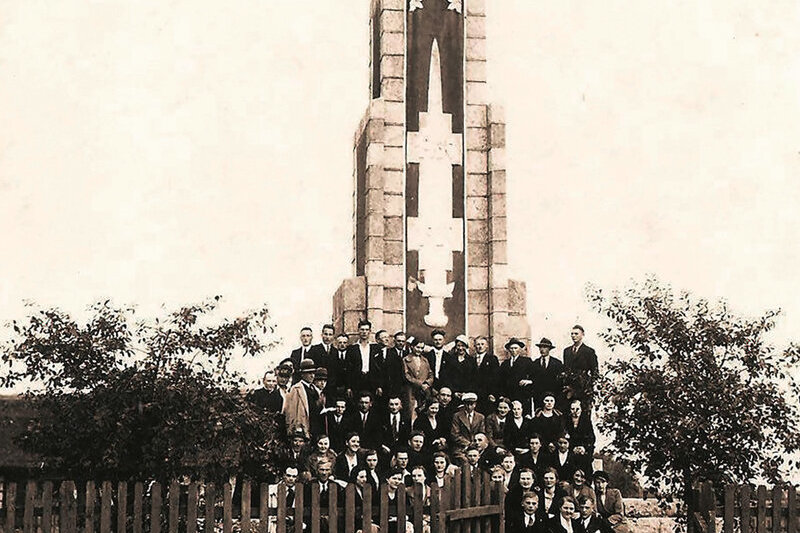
430,425
517,430
578,426
548,422
565,521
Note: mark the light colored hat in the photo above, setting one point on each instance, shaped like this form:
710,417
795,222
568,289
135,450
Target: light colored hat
469,397
463,339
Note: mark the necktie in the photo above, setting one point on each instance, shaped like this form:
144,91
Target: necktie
289,497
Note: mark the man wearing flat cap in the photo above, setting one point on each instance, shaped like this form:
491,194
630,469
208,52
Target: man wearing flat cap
275,399
547,371
466,424
516,372
301,403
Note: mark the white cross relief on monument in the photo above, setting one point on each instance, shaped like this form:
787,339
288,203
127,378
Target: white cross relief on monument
434,233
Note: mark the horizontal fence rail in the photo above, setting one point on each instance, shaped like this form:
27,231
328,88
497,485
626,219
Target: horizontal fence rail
464,504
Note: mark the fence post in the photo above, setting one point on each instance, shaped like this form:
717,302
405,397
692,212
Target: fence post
315,507
174,497
191,507
155,507
401,508
761,512
366,518
299,508
138,492
227,508
350,508
729,508
91,495
435,507
30,503
122,507
333,508
210,508
105,507
384,508
68,515
791,515
777,504
245,505
263,509
47,507
281,508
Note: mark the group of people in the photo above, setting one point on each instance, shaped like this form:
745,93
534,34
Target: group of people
399,410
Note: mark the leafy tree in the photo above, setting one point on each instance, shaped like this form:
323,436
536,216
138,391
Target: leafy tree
699,394
121,398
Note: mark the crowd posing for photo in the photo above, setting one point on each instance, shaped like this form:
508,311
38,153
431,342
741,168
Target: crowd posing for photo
391,409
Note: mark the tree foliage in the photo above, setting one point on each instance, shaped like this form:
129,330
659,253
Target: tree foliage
698,393
127,398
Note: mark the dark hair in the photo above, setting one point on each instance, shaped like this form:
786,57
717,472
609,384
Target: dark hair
550,469
578,326
534,436
583,498
365,393
370,452
403,333
472,447
330,327
440,454
400,449
438,332
339,399
528,494
416,433
394,472
351,434
306,328
364,322
378,333
340,335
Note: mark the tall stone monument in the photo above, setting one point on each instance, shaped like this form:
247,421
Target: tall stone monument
429,235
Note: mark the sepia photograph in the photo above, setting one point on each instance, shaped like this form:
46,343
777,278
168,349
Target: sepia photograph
399,266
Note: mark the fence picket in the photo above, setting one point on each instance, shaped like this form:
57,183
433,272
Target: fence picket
366,518
122,507
444,503
30,503
105,507
777,502
401,508
486,499
191,507
173,498
89,504
245,507
350,508
155,507
761,510
47,507
728,511
281,525
384,509
744,508
314,507
298,509
227,508
263,509
210,508
333,508
466,499
418,504
791,514
435,507
456,499
138,492
68,510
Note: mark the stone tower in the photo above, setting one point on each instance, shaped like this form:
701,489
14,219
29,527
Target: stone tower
429,235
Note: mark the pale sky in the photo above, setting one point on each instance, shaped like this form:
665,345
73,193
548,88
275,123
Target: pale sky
160,152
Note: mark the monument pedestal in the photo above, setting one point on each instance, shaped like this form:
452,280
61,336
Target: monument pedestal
430,232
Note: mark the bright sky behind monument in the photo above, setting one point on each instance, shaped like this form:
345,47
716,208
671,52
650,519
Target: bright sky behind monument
161,152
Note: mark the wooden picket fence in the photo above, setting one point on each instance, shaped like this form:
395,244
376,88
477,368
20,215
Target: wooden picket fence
465,504
744,510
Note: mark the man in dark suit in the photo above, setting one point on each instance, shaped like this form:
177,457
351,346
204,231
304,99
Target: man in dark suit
336,425
366,422
547,372
303,352
361,362
337,368
581,362
274,401
487,368
516,372
320,353
439,359
389,368
396,428
525,519
590,520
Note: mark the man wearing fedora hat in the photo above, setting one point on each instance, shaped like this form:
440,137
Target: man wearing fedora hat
301,403
547,371
516,372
